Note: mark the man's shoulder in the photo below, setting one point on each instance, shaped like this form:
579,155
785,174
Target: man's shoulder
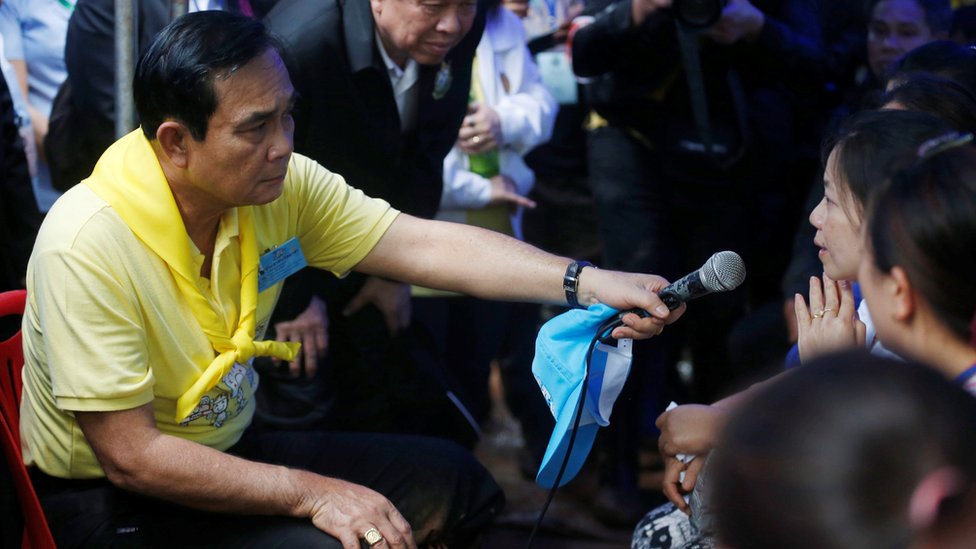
303,20
79,218
306,175
301,168
311,34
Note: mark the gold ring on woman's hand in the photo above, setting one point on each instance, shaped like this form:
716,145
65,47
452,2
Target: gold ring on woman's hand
821,312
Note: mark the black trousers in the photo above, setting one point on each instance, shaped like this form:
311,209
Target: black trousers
432,482
656,218
368,381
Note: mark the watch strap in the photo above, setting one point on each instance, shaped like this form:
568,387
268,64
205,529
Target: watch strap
571,282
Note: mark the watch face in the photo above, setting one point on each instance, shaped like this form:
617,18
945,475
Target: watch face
571,282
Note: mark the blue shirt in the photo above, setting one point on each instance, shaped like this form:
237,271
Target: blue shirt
34,31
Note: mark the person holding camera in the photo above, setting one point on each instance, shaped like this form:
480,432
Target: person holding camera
691,126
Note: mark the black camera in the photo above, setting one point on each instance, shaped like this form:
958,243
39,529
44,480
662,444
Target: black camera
698,13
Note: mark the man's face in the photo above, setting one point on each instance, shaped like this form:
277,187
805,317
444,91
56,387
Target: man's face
896,27
244,156
422,30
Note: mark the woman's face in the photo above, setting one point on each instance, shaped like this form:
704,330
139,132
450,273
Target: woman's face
838,223
896,27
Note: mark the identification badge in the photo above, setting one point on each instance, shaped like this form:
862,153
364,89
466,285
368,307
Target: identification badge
279,263
557,75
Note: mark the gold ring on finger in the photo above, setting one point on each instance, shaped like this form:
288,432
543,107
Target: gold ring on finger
822,312
372,536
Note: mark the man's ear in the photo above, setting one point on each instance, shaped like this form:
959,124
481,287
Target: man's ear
901,293
173,139
376,6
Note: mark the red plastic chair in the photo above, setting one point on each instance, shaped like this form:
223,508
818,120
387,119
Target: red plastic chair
36,532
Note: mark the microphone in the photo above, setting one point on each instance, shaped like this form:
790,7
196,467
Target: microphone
722,272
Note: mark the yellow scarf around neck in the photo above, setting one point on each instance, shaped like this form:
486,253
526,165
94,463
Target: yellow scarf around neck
130,179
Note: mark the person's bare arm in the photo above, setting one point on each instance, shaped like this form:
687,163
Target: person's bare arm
489,265
20,69
694,430
137,457
38,119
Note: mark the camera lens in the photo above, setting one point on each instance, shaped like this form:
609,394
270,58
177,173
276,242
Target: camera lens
698,13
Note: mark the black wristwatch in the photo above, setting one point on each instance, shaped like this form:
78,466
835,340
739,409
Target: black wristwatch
571,282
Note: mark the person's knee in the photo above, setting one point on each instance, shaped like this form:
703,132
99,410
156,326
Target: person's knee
466,494
286,532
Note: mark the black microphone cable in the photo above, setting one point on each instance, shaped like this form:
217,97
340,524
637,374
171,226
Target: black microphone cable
602,335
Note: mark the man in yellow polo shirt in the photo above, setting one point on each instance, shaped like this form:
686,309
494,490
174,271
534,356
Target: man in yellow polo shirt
150,288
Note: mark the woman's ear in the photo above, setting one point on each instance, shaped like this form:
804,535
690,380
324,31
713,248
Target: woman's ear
901,294
931,491
173,137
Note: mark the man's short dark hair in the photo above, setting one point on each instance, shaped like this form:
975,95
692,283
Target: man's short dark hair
938,13
174,78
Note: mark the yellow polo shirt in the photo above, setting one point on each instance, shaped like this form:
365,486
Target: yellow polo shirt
106,327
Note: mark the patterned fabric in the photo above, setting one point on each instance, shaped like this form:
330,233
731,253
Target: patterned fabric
666,527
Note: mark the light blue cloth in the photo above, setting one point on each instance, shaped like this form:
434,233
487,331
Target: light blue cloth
18,99
34,31
559,368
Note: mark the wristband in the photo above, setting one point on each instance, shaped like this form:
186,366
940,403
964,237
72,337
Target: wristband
571,282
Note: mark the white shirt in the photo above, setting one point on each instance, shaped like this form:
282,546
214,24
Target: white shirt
871,340
404,90
204,5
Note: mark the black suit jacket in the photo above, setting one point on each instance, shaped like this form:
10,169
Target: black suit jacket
346,116
19,217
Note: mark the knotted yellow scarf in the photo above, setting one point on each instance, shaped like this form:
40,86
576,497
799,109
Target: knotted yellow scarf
130,179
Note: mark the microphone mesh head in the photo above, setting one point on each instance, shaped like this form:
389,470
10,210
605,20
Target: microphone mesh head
723,271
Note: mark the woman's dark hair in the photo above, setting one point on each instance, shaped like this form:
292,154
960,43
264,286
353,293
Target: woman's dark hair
937,96
870,141
174,77
938,13
828,456
942,58
924,221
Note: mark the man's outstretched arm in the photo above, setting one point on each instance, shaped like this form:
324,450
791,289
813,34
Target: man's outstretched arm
490,265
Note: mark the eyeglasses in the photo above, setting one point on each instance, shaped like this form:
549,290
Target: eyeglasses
943,143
